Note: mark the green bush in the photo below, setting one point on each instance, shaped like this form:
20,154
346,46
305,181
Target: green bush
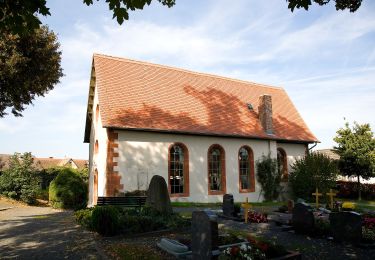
313,171
68,190
105,220
84,218
111,220
20,180
268,177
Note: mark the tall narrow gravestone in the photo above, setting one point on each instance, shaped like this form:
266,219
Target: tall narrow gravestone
303,218
204,235
228,205
158,196
346,226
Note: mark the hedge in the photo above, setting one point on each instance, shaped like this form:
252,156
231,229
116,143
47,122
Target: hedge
349,190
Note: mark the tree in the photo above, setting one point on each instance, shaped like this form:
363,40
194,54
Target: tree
29,67
269,177
19,181
20,16
352,5
356,148
315,170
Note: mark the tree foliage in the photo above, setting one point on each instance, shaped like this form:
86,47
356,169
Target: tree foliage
29,67
315,170
68,190
352,5
19,181
20,16
356,147
269,177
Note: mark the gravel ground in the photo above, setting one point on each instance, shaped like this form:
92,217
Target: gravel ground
43,233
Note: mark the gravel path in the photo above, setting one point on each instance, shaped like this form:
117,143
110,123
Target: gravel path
43,233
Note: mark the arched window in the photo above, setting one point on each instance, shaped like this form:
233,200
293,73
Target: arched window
178,170
95,189
97,113
96,147
216,170
246,169
282,164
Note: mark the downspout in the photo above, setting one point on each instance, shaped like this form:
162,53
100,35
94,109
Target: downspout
309,149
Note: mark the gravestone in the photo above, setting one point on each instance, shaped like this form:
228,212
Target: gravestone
303,218
290,206
158,196
204,235
346,226
228,205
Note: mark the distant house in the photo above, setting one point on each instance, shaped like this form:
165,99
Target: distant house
334,156
203,133
50,162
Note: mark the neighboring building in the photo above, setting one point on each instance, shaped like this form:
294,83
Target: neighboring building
50,162
202,133
334,156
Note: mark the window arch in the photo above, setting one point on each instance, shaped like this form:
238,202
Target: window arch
246,169
216,170
96,147
178,170
97,113
282,164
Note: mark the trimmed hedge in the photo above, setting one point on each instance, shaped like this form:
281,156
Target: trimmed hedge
349,190
112,220
68,190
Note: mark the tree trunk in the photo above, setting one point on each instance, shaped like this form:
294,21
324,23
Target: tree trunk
359,188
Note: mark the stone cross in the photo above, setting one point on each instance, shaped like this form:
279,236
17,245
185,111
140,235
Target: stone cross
317,195
246,206
331,194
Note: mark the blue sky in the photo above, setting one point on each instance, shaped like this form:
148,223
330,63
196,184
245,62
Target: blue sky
323,58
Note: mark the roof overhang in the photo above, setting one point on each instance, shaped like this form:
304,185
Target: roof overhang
269,138
90,104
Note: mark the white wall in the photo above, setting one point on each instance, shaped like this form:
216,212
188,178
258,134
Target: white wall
142,153
97,161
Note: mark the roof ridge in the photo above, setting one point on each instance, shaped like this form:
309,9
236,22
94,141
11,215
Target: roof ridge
186,71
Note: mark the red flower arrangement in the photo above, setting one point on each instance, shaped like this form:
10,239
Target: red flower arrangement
369,222
255,217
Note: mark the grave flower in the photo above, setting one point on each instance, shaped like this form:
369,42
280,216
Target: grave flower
348,205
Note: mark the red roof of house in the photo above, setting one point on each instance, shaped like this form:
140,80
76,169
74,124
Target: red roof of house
143,96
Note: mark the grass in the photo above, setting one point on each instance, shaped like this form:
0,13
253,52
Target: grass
127,251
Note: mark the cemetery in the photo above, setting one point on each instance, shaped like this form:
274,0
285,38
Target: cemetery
232,231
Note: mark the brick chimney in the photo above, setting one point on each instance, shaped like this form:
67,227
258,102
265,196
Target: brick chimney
265,113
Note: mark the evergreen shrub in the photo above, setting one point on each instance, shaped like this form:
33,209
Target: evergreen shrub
68,190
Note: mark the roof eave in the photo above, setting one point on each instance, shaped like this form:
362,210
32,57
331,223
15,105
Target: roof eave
90,102
269,137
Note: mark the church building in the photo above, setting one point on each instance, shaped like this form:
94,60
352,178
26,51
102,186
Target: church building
203,133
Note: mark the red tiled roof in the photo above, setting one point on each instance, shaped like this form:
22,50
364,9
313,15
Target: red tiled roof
143,96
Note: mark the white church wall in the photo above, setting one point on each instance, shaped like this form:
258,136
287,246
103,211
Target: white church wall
98,160
293,152
142,155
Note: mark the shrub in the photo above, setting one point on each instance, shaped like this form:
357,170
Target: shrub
349,190
68,190
20,180
84,217
268,177
105,220
313,171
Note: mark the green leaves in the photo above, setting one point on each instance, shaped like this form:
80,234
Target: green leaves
315,170
356,147
121,8
352,5
29,67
